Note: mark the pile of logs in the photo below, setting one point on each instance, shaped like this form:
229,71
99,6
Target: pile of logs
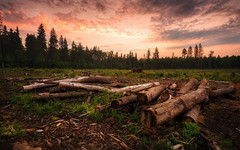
163,102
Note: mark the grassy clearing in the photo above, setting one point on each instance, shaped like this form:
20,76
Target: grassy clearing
179,74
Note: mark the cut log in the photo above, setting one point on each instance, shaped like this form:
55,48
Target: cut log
192,83
82,86
145,97
223,91
192,114
98,79
41,96
37,86
75,79
145,87
178,106
54,89
130,88
163,112
164,96
123,101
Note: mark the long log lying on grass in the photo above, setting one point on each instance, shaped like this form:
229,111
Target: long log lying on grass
123,101
223,91
38,86
147,96
97,79
82,86
41,96
50,84
145,87
192,82
133,87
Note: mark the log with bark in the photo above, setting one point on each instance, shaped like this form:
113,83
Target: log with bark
163,112
123,101
82,86
98,79
147,96
41,96
37,86
89,97
133,87
223,91
191,84
145,87
192,114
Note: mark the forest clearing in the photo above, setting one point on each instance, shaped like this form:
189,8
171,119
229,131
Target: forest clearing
119,109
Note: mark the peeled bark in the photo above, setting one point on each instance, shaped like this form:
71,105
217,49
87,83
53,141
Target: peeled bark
37,86
133,87
41,96
82,86
192,114
123,101
145,97
192,82
223,91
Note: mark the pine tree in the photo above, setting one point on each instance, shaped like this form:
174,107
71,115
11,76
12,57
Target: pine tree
156,54
184,53
42,42
200,50
148,54
190,51
196,52
31,50
53,45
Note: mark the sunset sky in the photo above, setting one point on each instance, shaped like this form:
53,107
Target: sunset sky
136,25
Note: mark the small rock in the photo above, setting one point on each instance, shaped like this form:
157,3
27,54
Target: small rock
39,130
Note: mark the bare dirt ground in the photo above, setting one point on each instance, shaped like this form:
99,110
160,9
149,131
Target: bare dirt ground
219,123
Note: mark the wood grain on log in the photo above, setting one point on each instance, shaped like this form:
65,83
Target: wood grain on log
123,101
82,86
223,91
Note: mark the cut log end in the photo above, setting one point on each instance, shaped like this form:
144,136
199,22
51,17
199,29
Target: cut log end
142,98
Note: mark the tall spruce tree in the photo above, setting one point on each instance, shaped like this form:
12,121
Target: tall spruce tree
53,54
190,51
41,42
196,52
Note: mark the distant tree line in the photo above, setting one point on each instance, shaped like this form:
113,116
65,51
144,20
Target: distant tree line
39,52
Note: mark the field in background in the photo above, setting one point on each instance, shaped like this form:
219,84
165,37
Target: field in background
179,74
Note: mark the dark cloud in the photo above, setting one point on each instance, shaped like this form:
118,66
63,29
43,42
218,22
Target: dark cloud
100,6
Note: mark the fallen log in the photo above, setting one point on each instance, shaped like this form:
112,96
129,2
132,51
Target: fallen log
145,87
123,101
145,97
89,97
82,86
37,86
41,96
163,112
130,88
97,79
192,82
164,96
223,91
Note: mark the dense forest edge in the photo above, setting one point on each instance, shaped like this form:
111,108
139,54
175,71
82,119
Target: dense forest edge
54,53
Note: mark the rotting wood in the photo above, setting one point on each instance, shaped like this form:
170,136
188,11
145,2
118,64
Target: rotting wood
37,86
41,96
223,91
129,88
82,86
123,101
147,96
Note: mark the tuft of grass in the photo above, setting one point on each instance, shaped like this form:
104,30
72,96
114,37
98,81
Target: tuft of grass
190,131
12,130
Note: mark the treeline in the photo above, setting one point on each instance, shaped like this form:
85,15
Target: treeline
55,53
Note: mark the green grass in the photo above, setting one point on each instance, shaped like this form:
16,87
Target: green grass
11,130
